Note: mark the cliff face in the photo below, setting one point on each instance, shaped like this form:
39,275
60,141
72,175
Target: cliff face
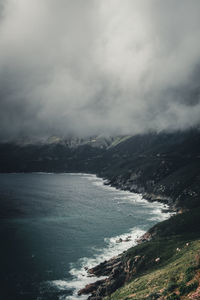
165,262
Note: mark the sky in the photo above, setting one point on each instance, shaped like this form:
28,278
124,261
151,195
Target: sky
74,67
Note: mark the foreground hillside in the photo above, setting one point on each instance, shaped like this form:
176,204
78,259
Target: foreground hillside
176,278
165,264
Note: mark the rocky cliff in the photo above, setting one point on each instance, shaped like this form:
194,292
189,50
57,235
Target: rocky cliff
170,245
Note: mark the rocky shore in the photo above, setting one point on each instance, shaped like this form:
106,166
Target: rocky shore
130,185
121,269
118,270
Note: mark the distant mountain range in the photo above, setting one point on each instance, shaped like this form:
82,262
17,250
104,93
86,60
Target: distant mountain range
97,141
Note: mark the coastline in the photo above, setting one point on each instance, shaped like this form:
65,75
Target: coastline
108,274
82,276
126,185
114,273
110,266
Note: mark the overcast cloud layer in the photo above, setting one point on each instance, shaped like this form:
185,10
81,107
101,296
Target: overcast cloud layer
98,66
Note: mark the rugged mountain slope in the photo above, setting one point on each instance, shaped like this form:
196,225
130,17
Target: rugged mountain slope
55,154
161,166
164,167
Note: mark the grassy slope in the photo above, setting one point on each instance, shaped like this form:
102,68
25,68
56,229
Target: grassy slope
177,274
169,280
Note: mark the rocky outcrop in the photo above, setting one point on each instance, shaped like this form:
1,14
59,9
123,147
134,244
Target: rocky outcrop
105,268
90,288
145,238
118,272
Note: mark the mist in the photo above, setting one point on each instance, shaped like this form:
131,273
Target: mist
73,67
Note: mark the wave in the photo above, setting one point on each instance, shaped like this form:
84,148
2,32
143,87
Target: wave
79,274
81,174
159,214
125,197
41,173
113,245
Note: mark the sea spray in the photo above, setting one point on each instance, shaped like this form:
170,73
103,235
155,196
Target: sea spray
80,275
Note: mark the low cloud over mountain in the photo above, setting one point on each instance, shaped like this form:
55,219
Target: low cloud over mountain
88,67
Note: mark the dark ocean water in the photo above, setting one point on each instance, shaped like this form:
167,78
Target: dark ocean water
53,225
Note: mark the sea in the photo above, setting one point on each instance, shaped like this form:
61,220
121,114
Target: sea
55,226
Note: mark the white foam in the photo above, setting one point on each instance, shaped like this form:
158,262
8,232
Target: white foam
42,173
81,174
112,245
159,215
60,284
125,197
80,275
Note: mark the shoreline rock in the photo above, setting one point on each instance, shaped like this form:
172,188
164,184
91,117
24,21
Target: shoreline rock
127,185
119,272
90,288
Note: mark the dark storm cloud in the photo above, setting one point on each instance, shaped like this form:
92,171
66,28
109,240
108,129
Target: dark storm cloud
109,66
